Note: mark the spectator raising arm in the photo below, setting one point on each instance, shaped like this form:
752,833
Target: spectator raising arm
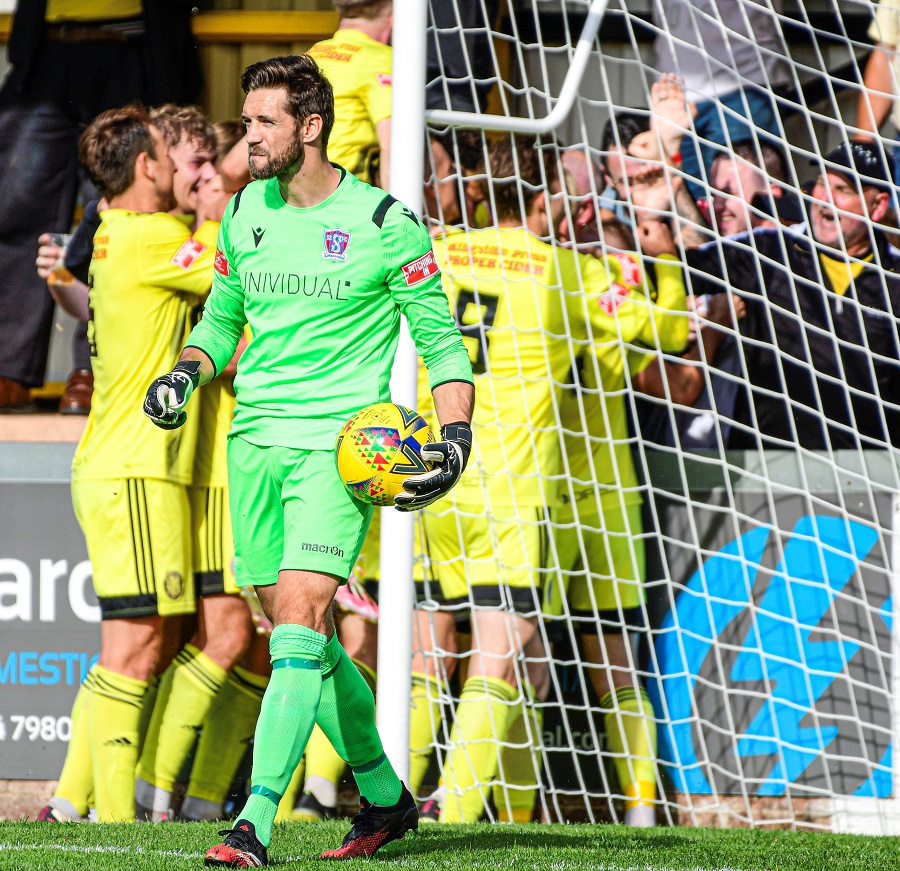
879,91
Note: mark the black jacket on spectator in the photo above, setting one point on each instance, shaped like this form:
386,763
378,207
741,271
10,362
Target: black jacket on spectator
171,65
81,247
823,369
61,78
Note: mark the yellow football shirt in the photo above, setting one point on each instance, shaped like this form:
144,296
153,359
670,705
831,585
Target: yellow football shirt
595,430
359,69
527,310
216,402
146,275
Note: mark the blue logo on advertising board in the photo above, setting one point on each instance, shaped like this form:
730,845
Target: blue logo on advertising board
768,674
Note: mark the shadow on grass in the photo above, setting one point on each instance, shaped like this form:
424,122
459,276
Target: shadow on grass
490,838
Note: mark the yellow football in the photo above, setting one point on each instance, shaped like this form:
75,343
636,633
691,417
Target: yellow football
378,448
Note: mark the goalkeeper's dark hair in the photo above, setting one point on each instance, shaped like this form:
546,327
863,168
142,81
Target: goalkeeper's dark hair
308,91
621,128
518,163
110,146
184,122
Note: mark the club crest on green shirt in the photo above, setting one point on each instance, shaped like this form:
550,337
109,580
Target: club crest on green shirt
336,242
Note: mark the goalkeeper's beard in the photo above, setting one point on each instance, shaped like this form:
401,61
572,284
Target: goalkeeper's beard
283,163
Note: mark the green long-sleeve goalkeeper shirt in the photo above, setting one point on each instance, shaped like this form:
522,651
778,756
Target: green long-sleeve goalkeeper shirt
322,290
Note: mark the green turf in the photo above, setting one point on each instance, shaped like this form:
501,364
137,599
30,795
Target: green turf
170,847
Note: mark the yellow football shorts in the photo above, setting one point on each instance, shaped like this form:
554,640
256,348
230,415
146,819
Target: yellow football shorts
603,583
211,541
139,543
492,561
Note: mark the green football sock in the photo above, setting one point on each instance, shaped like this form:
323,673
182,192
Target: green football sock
324,765
285,722
289,799
347,717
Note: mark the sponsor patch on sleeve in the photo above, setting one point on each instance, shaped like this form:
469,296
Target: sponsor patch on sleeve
417,271
384,79
631,269
190,250
611,300
222,266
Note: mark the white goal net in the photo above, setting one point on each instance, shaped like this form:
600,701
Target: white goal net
665,589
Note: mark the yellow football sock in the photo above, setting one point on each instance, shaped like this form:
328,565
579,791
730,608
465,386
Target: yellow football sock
631,736
520,766
147,709
113,723
150,726
482,720
289,799
76,782
227,731
194,683
424,726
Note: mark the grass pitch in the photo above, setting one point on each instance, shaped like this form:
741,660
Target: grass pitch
177,846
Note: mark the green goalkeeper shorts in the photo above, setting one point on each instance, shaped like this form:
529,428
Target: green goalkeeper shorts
290,510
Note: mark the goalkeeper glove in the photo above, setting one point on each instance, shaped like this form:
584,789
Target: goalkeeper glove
449,456
169,394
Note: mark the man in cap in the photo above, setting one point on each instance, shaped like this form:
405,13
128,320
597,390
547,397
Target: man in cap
819,342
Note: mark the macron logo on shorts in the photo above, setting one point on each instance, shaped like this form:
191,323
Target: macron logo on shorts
420,270
612,299
222,265
190,250
384,79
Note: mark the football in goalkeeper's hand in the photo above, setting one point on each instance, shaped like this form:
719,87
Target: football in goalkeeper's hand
380,447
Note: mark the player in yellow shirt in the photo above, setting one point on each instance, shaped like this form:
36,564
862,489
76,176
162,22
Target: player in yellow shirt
129,482
597,526
357,61
202,669
527,309
597,531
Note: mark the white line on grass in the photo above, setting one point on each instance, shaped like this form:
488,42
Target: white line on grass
99,848
401,860
139,851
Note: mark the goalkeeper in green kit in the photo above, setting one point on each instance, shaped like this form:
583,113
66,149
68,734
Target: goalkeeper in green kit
320,265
